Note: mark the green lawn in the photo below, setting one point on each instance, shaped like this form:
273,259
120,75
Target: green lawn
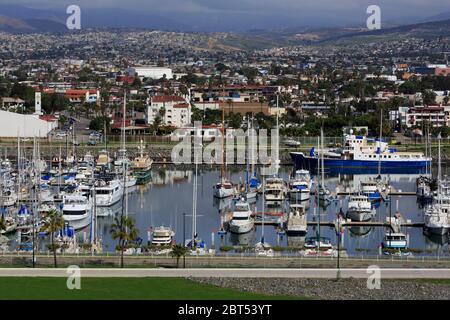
29,288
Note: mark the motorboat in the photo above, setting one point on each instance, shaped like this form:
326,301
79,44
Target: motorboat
296,222
77,211
108,193
300,186
162,236
242,220
360,208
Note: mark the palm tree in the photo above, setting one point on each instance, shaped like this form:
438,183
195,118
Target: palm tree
125,230
178,251
52,222
2,224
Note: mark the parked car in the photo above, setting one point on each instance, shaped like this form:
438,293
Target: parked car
92,143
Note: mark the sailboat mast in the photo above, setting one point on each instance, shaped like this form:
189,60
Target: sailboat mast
439,168
379,142
123,120
222,167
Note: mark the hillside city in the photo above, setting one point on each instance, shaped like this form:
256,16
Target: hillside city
173,79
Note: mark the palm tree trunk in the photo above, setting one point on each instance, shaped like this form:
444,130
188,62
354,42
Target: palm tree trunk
121,254
178,262
54,250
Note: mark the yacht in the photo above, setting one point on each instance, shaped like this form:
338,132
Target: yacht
423,188
103,159
300,186
296,223
108,193
224,189
242,221
436,219
274,189
162,236
141,166
77,211
360,208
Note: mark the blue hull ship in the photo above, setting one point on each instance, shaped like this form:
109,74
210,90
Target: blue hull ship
332,165
358,155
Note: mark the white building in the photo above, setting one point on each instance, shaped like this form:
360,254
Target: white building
151,72
13,125
173,110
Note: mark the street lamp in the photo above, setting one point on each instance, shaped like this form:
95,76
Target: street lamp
184,238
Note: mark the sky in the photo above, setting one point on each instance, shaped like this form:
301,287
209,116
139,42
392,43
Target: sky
258,13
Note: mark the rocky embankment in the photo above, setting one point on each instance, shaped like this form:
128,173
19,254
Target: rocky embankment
342,289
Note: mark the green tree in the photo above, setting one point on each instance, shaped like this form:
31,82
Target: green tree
52,222
98,123
124,230
178,251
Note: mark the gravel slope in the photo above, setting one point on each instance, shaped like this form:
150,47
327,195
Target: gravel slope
343,289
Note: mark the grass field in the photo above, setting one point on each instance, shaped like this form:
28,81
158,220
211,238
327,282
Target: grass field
29,288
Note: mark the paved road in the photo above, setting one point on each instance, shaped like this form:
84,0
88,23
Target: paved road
233,273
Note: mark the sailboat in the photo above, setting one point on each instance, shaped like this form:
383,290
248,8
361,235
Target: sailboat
424,182
224,188
436,216
251,183
142,166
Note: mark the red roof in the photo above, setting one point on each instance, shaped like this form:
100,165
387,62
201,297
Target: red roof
48,118
181,105
168,99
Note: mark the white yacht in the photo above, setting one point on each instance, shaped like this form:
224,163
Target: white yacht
436,219
423,190
108,193
360,208
274,189
300,186
242,221
162,236
296,222
224,189
77,211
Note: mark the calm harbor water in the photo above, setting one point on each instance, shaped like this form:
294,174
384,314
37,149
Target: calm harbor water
169,194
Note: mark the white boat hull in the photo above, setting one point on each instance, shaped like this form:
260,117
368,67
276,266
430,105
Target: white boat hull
241,228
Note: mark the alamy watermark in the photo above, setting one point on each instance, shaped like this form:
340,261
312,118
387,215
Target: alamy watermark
74,277
374,20
235,147
374,279
73,22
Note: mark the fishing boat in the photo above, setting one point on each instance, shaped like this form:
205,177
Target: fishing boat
162,236
77,210
241,221
108,193
358,155
142,166
397,240
372,189
423,189
360,208
300,186
296,222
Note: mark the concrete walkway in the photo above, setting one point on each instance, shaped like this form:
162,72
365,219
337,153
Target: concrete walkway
232,273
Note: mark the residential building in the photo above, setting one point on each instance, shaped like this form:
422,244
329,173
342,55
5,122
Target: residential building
173,110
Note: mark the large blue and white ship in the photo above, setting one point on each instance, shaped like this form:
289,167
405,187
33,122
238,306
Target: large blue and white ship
358,155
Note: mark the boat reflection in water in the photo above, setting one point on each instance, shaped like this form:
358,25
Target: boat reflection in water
296,241
243,239
434,241
360,231
222,204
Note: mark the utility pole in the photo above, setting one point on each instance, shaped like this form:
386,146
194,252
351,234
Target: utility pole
184,238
